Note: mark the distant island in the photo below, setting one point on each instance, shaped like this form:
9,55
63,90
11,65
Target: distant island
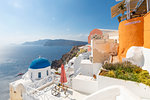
56,42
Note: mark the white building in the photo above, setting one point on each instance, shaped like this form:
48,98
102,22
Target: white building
113,34
139,56
38,74
84,83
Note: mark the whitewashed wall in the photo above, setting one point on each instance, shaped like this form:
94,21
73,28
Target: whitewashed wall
135,55
146,53
28,97
42,70
139,56
84,84
91,47
71,62
77,62
137,88
88,68
113,93
114,38
96,68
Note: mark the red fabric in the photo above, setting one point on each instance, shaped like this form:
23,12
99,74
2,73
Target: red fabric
89,48
63,78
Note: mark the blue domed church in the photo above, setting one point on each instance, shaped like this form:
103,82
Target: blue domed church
37,76
39,68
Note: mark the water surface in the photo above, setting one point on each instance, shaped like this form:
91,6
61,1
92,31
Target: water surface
15,59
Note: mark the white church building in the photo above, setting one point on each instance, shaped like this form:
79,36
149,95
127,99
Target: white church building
38,74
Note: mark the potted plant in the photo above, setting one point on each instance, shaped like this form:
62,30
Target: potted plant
119,19
122,8
131,76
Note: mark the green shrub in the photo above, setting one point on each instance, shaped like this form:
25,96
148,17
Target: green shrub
111,74
126,71
80,52
74,54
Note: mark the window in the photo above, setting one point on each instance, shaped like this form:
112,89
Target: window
31,75
47,72
39,74
71,64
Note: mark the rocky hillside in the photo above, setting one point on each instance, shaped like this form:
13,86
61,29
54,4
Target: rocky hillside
65,58
62,42
56,42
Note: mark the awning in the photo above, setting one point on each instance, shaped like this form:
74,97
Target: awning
142,9
123,17
133,4
116,11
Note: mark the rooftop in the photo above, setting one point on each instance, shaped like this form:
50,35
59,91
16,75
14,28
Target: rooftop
39,63
130,9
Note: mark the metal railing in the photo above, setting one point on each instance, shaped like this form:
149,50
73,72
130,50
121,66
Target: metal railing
41,82
139,4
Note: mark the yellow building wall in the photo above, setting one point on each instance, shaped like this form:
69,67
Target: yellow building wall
147,30
16,94
131,33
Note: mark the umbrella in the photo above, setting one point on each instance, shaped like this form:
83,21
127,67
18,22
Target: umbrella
63,78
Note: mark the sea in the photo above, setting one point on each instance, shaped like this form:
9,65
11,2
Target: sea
16,59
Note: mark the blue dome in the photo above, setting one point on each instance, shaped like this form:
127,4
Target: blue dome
39,63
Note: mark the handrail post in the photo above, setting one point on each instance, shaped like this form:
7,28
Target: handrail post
148,5
128,8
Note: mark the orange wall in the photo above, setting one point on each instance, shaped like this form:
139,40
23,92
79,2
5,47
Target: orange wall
147,30
131,33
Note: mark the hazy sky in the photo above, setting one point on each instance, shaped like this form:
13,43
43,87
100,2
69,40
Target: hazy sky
27,20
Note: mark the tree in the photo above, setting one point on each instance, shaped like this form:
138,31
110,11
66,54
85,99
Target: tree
119,19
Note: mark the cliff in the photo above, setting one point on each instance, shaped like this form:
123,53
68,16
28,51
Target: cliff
65,58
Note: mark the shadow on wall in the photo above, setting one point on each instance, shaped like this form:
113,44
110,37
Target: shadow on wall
135,55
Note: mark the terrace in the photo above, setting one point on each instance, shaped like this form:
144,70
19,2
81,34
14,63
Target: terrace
130,9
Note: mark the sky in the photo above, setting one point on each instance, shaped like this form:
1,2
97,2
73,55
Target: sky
29,20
